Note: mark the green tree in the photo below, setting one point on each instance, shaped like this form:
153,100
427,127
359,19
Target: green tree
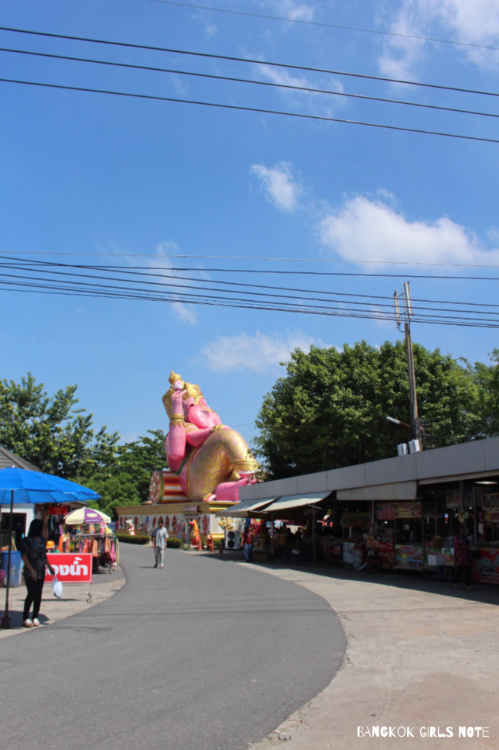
487,378
330,409
50,432
125,479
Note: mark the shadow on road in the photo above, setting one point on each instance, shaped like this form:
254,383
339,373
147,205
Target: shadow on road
482,592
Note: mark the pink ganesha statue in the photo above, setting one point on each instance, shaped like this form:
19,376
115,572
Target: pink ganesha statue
210,459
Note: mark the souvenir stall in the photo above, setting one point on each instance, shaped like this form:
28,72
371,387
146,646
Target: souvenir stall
261,539
331,539
343,534
485,551
89,534
408,536
355,523
22,486
384,540
445,508
167,502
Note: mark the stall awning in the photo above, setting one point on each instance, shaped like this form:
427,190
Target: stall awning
395,491
246,508
295,502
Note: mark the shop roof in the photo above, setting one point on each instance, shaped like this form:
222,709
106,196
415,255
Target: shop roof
246,508
473,460
294,502
9,460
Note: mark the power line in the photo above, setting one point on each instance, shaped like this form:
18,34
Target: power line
458,315
220,302
233,79
327,25
260,110
184,256
260,271
246,60
309,298
154,272
344,273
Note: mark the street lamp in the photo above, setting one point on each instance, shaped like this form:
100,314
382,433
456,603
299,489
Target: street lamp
397,421
413,446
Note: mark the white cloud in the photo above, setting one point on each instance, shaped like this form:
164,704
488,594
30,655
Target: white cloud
294,11
317,103
164,250
475,21
283,77
279,185
493,234
162,261
365,230
184,313
211,31
259,353
471,21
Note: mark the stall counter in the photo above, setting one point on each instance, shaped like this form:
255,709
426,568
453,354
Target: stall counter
408,557
485,562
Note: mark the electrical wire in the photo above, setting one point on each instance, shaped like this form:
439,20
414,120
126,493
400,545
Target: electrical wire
462,317
259,271
247,60
260,110
295,292
235,304
233,79
326,25
183,256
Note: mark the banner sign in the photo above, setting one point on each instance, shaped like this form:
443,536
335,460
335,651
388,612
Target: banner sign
408,510
70,568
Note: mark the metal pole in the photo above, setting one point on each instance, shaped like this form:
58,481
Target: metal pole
6,618
413,399
314,547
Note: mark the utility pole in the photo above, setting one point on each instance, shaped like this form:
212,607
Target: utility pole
405,314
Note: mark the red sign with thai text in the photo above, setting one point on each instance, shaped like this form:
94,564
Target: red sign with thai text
70,568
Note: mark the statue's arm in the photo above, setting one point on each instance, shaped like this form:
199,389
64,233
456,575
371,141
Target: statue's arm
175,444
198,437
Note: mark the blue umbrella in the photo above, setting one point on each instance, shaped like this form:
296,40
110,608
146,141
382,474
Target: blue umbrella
23,486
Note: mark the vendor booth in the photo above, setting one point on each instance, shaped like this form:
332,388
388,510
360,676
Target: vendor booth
405,513
21,486
167,502
299,535
87,532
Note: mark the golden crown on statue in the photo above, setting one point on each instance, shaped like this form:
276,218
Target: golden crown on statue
191,391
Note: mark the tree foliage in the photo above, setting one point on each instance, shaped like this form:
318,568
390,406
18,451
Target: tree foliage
59,438
330,409
488,380
50,432
125,480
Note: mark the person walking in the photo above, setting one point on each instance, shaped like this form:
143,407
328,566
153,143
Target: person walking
282,539
34,555
159,542
462,559
248,544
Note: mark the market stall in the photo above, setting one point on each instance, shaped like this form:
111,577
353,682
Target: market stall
21,486
485,551
92,536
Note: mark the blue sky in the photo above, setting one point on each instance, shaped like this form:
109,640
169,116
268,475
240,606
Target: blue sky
93,179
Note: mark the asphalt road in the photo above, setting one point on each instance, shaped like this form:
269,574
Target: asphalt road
203,654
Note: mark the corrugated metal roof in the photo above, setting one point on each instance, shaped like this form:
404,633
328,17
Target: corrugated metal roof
245,508
293,502
9,460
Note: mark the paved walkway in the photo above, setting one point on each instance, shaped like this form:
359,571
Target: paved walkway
419,655
77,597
421,658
